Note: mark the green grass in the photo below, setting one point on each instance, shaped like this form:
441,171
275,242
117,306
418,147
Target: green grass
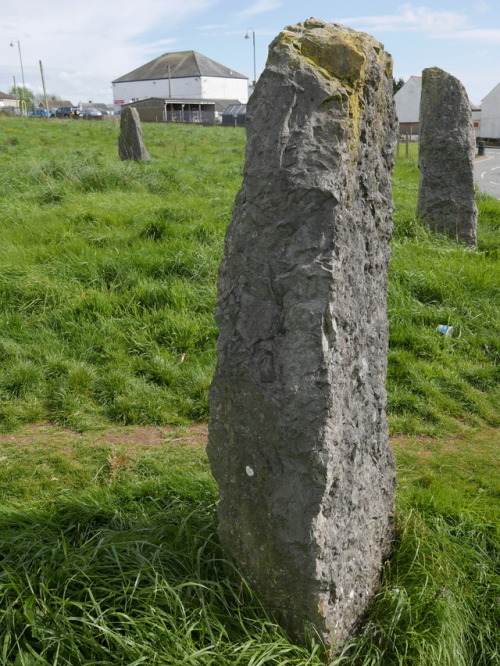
110,556
108,272
108,280
108,544
436,384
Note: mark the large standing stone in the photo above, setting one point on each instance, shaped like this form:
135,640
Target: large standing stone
446,197
130,142
298,439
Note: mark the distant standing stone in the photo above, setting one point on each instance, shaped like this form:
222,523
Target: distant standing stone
447,146
298,439
130,142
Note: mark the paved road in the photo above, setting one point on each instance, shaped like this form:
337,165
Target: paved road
487,172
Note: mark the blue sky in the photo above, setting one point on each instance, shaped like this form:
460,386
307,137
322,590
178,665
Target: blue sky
85,44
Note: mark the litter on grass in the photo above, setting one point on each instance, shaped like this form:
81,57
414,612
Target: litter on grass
445,330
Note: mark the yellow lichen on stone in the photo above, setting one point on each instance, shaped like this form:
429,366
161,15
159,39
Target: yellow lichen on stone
434,72
336,54
339,56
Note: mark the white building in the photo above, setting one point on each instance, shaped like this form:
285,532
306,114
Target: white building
8,102
185,75
407,101
490,115
476,119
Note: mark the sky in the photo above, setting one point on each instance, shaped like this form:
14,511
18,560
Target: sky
84,45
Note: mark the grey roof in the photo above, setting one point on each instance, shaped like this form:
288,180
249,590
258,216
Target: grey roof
235,110
179,65
94,105
57,103
220,104
150,102
5,96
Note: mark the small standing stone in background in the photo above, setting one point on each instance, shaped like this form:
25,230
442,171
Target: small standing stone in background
130,142
298,440
447,146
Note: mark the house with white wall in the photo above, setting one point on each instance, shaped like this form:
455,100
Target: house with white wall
184,75
407,100
476,119
490,115
8,102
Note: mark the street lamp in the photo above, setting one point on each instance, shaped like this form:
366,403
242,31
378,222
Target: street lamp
247,36
20,57
22,101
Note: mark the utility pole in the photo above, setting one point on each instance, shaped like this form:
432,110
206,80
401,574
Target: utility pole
44,91
22,72
16,93
20,58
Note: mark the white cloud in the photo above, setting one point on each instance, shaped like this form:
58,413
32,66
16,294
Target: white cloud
97,40
408,17
439,24
481,35
226,32
158,45
211,28
481,7
259,7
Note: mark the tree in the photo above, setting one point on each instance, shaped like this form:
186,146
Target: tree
397,84
23,95
39,98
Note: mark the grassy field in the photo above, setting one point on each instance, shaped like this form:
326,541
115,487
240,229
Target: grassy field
108,272
108,544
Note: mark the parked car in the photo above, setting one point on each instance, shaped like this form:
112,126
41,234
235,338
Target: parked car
38,113
68,112
91,113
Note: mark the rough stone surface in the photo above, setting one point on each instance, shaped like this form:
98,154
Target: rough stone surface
298,439
446,197
130,142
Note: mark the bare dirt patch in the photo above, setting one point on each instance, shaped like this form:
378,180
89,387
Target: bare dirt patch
473,442
124,437
130,438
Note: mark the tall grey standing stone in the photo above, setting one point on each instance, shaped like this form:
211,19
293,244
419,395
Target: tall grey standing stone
130,142
298,439
446,197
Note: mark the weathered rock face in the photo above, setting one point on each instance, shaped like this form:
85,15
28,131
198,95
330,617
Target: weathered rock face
298,440
130,142
446,197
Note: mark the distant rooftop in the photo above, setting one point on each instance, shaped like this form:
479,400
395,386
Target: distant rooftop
181,64
55,103
235,109
154,102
